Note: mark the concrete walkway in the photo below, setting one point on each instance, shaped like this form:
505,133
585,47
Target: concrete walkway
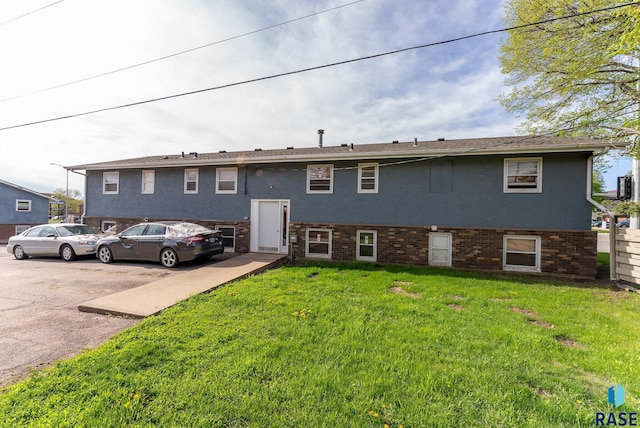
150,299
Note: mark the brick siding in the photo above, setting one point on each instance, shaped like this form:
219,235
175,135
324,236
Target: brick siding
571,253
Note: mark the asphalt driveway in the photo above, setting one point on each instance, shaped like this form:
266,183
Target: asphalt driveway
39,318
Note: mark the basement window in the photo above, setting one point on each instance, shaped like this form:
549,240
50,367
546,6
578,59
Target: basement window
521,253
318,243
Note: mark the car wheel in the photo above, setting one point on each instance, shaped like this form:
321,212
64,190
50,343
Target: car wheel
67,253
105,255
169,258
19,253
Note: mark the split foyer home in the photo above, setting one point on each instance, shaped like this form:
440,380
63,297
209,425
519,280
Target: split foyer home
20,208
508,203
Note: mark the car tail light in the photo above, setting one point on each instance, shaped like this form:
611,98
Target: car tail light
194,240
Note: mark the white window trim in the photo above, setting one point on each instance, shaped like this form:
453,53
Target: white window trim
235,181
145,190
21,228
361,166
374,245
106,224
537,189
22,201
314,255
104,183
431,248
227,226
520,268
186,174
309,167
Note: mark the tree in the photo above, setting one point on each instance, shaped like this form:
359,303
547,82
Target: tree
75,199
578,75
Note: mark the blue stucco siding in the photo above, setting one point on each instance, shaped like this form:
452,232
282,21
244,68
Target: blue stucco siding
454,191
8,215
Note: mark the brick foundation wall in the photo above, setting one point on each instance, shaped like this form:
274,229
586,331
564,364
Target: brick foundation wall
242,227
8,230
571,253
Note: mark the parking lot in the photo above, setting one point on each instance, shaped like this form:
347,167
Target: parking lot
39,320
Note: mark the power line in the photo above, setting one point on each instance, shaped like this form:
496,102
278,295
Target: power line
29,13
319,67
129,67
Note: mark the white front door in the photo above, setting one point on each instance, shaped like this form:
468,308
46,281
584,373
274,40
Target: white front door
269,226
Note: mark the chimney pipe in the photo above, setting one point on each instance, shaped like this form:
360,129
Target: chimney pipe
320,133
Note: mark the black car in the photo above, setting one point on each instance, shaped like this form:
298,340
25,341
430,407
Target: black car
167,242
623,223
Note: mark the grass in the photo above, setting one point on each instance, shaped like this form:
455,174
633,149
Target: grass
354,345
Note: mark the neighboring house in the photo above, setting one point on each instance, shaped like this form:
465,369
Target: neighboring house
20,208
509,203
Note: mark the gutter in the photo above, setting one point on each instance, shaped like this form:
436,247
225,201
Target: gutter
612,224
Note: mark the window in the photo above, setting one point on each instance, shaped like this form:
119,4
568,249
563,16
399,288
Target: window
226,180
108,224
368,178
134,230
440,249
155,230
367,243
23,205
523,175
148,182
34,232
320,179
522,253
228,237
191,180
318,243
110,183
20,229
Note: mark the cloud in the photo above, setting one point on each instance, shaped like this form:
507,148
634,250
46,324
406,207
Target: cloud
443,91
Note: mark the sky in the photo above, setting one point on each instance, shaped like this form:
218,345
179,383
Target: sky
445,91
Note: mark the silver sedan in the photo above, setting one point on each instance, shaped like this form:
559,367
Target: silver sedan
66,240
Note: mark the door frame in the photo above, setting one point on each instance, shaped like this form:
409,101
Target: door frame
284,219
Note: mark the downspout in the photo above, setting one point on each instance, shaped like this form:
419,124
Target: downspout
612,224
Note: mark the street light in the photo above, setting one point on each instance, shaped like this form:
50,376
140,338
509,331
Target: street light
66,202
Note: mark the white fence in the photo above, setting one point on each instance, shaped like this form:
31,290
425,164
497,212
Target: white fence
627,257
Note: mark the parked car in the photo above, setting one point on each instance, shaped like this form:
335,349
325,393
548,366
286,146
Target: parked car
167,242
596,222
623,223
66,240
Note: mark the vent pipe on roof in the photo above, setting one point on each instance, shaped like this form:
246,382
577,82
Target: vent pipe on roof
415,142
320,133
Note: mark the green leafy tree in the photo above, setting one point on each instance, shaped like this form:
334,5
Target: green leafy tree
578,75
74,199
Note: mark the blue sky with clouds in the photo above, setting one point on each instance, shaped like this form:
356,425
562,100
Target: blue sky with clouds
449,90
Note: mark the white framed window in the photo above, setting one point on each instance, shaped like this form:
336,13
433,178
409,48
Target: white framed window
110,183
318,243
21,228
523,175
440,249
23,205
368,177
107,224
227,180
191,180
228,236
521,253
320,178
148,182
367,245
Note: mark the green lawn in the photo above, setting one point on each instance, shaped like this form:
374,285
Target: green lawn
354,345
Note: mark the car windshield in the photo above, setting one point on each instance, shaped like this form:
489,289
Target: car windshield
187,229
78,229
